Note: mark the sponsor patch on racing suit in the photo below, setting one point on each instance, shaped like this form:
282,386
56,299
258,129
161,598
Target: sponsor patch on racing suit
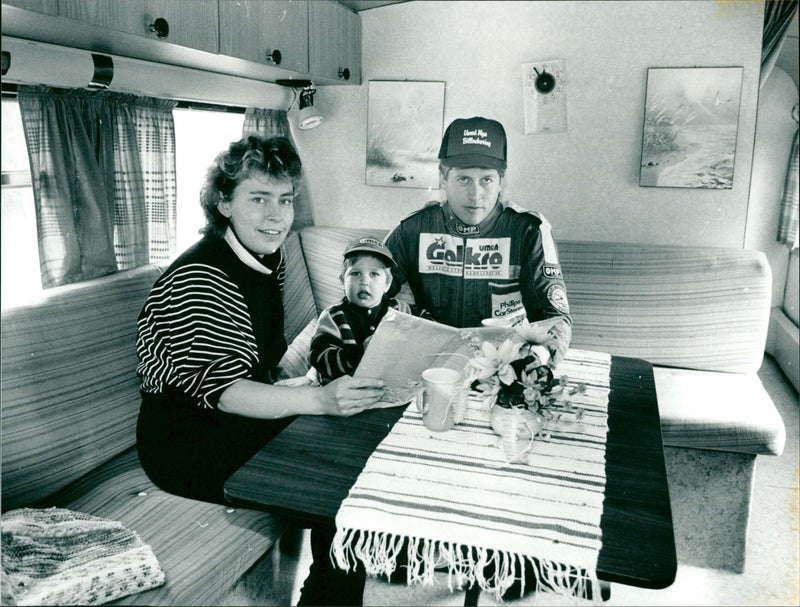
504,266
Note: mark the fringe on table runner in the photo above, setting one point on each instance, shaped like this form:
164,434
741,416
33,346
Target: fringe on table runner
378,552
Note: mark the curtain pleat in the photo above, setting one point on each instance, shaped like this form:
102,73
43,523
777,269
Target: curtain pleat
73,196
778,15
788,232
275,123
103,173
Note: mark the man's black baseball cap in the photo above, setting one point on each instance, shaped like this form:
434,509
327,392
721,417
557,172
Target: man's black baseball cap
474,142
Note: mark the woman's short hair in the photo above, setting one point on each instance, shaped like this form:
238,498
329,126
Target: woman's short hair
251,155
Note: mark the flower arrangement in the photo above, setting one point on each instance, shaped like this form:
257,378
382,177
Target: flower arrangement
517,381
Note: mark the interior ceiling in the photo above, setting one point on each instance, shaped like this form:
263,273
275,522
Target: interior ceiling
362,5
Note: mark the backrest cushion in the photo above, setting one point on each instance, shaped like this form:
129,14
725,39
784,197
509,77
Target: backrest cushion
701,308
323,248
70,393
298,302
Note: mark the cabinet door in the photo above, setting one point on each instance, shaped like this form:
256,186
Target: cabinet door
334,42
192,23
49,7
255,29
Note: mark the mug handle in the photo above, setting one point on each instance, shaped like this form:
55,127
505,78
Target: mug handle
422,405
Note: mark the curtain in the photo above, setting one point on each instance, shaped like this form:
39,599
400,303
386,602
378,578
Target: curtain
146,194
95,159
275,123
778,15
788,224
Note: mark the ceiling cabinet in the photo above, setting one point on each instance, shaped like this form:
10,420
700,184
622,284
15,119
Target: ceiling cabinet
267,40
271,32
190,23
334,41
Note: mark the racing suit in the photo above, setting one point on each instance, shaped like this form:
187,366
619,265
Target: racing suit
460,274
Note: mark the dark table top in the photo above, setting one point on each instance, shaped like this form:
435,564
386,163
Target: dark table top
306,472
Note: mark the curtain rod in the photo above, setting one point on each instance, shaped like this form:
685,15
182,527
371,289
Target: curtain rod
10,91
59,66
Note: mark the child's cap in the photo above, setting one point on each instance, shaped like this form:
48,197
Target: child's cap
474,142
370,245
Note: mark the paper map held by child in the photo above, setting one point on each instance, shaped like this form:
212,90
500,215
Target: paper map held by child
403,346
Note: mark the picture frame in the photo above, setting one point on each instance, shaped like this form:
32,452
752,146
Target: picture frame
404,130
691,123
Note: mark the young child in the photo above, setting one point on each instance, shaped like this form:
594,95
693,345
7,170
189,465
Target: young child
343,330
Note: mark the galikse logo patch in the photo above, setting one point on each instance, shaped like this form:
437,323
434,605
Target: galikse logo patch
478,258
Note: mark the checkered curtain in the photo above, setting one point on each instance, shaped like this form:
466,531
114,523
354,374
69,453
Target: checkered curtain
145,195
788,232
102,167
274,123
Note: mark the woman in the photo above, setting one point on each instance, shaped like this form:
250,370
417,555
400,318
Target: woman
210,337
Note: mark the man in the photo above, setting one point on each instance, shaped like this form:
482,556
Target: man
474,257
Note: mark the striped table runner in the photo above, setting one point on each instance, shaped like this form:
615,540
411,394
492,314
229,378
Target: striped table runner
460,505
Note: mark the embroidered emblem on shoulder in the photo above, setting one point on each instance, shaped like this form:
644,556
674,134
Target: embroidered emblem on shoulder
557,297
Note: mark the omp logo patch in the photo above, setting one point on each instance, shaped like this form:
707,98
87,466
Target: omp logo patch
557,297
478,258
552,271
465,229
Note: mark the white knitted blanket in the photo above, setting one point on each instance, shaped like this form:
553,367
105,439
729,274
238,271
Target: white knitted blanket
460,505
55,556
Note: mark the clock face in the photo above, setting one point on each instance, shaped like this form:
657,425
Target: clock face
545,80
545,97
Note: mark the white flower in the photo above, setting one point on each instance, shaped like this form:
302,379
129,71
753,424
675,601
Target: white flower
537,332
496,361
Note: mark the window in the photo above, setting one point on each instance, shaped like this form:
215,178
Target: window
200,134
19,249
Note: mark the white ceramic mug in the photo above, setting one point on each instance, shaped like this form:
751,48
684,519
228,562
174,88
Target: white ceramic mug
496,322
504,321
436,399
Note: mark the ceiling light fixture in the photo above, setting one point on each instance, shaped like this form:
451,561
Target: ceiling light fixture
309,116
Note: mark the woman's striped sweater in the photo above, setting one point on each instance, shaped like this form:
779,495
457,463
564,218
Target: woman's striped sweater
214,317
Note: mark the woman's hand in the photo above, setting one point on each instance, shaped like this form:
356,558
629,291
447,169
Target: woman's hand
348,395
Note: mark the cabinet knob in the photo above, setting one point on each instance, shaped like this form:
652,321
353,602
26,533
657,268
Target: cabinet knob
160,27
344,73
273,56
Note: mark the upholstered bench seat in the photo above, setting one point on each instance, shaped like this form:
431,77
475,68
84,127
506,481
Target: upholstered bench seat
719,411
202,548
700,316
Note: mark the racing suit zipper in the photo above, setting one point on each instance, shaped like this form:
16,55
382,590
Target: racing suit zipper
464,283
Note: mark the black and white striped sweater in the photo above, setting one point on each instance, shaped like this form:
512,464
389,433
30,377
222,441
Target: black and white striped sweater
214,317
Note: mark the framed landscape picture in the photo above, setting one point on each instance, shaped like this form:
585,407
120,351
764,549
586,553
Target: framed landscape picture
691,121
404,130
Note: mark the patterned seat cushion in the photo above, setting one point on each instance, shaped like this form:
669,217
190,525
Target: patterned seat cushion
719,411
202,548
70,393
